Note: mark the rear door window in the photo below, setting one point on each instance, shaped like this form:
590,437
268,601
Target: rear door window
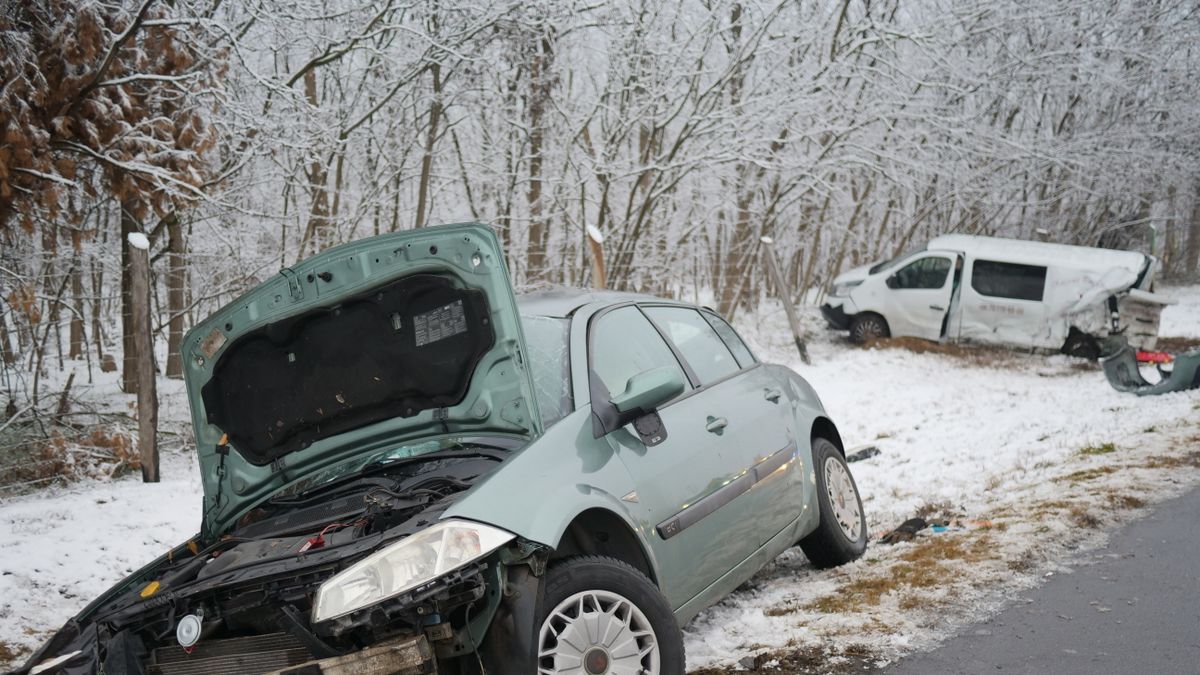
731,339
696,340
1008,280
625,343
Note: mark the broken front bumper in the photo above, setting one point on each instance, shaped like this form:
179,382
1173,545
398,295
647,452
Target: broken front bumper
836,317
406,656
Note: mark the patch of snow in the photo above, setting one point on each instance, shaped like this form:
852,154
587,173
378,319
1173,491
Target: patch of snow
139,241
1183,318
595,234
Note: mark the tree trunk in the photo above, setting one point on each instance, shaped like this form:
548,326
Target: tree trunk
129,380
435,117
176,279
7,355
318,179
147,400
1191,254
78,339
97,327
539,97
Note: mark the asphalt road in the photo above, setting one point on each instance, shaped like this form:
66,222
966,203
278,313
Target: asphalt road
1133,607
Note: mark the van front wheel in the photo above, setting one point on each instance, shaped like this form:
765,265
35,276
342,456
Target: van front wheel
867,327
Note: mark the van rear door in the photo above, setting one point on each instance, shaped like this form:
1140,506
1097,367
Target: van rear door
1003,303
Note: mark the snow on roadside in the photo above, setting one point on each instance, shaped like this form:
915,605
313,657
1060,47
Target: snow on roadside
974,432
1183,318
64,546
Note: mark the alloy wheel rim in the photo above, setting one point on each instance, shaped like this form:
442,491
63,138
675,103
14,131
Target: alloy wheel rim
843,497
868,330
597,633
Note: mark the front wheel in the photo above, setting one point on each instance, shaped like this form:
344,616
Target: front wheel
599,616
866,327
841,535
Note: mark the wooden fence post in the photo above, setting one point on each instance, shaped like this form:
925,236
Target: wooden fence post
784,297
596,242
143,342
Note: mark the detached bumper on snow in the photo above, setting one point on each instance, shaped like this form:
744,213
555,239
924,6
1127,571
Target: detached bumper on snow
836,317
1121,368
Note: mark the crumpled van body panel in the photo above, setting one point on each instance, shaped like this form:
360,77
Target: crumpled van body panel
1029,295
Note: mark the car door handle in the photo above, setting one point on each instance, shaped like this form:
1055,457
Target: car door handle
772,395
716,424
940,309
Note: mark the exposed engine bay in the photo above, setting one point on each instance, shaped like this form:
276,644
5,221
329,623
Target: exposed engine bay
244,603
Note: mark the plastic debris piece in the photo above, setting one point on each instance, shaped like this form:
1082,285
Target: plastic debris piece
905,532
865,452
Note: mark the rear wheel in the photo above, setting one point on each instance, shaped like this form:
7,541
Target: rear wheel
867,327
841,535
600,616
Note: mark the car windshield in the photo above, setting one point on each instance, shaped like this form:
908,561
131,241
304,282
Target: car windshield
548,359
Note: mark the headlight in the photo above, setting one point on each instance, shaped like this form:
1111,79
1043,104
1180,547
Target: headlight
843,289
406,564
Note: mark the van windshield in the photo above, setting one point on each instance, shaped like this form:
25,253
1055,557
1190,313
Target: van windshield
879,266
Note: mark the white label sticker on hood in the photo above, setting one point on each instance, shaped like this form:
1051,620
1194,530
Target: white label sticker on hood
441,323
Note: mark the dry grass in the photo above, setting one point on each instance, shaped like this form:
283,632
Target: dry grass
975,354
924,565
1088,474
1191,459
1102,449
938,510
1082,517
102,449
8,654
1121,501
809,660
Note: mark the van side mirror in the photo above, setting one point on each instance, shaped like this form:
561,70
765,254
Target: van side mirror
646,391
892,282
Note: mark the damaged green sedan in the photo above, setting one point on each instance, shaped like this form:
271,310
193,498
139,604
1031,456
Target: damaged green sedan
406,470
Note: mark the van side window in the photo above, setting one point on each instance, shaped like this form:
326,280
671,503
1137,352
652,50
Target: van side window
1008,280
924,273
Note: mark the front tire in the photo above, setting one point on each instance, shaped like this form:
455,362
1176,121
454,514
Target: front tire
600,615
841,535
866,327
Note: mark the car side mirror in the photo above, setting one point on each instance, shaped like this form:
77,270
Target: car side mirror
892,282
646,391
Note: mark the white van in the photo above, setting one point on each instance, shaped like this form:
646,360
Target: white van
1024,294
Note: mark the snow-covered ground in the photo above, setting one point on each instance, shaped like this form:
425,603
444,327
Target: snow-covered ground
987,435
1183,318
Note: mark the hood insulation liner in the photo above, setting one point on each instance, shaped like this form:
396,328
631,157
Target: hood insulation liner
410,346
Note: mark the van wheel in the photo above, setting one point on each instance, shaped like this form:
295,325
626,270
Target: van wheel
600,615
841,535
867,327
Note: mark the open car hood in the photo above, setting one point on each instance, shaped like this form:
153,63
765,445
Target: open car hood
357,348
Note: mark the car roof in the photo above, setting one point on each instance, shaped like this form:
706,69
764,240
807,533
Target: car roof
562,301
1038,252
